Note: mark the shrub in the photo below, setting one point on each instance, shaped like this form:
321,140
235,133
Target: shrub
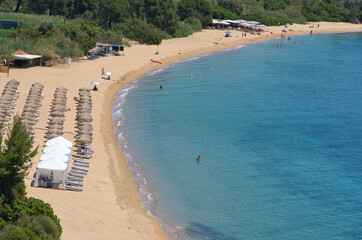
223,13
141,31
194,23
11,232
48,225
46,26
183,30
269,19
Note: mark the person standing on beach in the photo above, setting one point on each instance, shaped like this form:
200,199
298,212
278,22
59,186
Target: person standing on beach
102,70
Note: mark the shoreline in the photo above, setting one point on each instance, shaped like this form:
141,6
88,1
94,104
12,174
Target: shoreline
110,200
131,77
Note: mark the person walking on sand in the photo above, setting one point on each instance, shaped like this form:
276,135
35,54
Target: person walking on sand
102,70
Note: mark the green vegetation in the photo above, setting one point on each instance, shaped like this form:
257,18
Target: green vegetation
71,27
21,217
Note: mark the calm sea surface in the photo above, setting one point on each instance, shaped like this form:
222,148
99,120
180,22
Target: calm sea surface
279,132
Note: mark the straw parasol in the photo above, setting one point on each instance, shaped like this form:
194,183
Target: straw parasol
84,139
57,113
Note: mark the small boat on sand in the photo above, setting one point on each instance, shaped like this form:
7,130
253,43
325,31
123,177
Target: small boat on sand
156,61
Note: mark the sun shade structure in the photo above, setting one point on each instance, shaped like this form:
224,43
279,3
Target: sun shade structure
54,164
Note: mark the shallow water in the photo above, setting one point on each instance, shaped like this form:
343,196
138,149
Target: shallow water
279,133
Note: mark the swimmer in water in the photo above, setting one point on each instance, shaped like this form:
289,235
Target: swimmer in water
161,87
198,159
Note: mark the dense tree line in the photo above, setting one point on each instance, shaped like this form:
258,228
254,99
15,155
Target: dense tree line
21,217
165,14
154,20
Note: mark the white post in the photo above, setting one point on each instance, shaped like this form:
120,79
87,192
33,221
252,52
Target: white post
36,182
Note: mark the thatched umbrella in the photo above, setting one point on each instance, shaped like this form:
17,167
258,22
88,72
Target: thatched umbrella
58,108
84,125
84,104
55,127
29,122
59,98
85,118
57,113
52,135
84,132
55,131
56,120
61,88
28,117
84,89
86,139
31,110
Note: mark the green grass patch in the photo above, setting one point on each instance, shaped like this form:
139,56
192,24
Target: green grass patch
33,20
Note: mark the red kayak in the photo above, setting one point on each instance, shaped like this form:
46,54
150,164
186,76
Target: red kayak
156,61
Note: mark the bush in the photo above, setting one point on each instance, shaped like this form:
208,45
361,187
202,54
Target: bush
11,232
183,30
299,20
269,19
194,23
46,26
30,216
2,224
48,225
141,31
223,13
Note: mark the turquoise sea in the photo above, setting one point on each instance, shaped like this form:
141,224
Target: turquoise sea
279,132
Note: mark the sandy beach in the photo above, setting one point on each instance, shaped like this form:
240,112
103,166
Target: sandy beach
109,206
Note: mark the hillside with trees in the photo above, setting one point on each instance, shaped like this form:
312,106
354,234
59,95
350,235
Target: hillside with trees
71,27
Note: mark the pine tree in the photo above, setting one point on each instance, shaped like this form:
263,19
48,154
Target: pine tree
15,160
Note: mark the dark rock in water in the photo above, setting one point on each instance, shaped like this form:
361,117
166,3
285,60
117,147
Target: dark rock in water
203,232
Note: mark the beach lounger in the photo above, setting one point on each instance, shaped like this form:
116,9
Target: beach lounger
73,188
80,169
81,161
72,183
80,165
82,156
75,179
85,145
72,174
75,172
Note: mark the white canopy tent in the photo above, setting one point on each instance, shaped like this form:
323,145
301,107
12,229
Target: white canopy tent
54,163
59,139
52,169
57,147
65,158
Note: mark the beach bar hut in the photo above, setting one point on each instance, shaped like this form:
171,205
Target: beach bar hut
24,60
104,48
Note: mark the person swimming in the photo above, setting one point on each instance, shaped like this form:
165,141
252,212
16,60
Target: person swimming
198,159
